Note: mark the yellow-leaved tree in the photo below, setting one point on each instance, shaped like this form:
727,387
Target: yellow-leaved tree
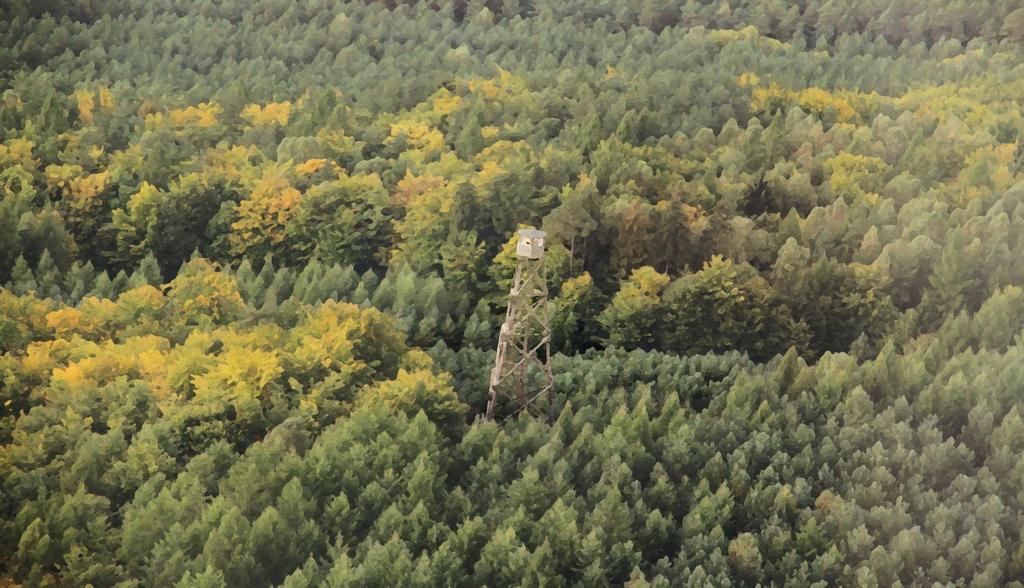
203,295
247,380
419,390
264,216
274,113
22,319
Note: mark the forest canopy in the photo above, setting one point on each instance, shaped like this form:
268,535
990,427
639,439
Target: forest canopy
254,257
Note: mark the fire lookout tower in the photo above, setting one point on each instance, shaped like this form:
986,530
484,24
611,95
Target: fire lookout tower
522,366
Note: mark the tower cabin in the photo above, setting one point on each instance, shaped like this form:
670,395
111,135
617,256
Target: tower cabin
531,243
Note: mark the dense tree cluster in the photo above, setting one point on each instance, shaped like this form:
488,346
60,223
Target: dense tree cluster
252,255
182,435
833,207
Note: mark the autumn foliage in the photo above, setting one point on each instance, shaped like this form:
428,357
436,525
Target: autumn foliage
254,257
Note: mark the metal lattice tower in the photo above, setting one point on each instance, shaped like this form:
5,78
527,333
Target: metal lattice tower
522,365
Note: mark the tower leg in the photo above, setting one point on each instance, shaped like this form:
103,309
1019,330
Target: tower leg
550,383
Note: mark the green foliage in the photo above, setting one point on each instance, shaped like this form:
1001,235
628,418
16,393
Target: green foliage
786,298
574,313
326,452
633,315
872,172
729,306
343,221
420,390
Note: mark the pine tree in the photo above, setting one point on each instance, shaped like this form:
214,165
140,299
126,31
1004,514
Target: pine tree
147,273
47,277
22,279
209,578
